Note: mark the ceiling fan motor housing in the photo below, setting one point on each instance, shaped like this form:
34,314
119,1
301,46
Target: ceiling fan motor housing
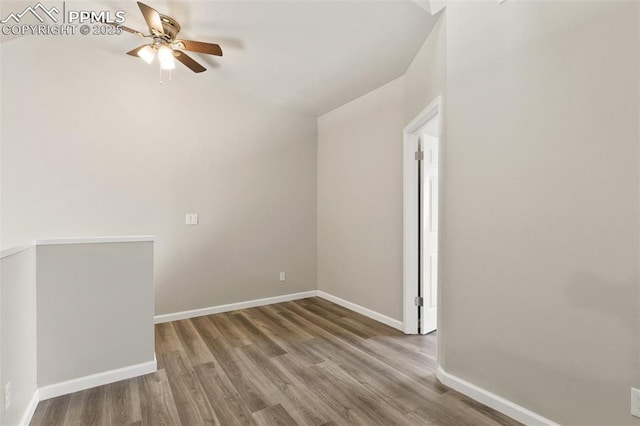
170,26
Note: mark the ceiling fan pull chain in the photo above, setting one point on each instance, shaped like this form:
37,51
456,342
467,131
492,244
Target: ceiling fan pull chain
160,75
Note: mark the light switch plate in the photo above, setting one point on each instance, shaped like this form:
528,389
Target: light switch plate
282,276
191,219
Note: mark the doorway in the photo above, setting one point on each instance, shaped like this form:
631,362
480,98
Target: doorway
422,147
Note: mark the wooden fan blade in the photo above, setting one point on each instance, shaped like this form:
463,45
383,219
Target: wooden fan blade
153,19
200,47
127,29
188,61
135,51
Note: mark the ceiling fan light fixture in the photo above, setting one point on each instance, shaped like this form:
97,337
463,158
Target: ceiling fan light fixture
165,55
163,31
147,54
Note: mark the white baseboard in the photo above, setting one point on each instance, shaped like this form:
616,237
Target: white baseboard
278,299
362,310
233,306
492,400
30,410
99,379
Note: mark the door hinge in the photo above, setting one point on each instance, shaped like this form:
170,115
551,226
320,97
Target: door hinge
419,155
419,301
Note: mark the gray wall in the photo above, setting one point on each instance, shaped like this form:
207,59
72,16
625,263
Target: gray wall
18,332
360,201
539,279
426,77
539,270
360,183
91,150
95,308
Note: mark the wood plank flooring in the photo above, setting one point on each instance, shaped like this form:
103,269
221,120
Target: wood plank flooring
308,362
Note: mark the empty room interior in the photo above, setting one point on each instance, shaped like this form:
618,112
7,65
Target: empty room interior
313,212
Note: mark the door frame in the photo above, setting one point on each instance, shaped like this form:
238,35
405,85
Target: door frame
410,211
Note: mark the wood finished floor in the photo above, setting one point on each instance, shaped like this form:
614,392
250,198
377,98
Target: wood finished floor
308,362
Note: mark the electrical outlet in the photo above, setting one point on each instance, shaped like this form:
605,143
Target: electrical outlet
635,402
191,219
7,396
282,276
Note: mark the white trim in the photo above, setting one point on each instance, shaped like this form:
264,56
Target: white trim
432,110
362,310
492,400
232,306
80,240
409,207
96,240
15,250
98,379
30,410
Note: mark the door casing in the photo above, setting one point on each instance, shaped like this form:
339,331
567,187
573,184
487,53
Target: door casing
410,211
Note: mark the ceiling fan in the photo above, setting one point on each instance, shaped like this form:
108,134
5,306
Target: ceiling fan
163,30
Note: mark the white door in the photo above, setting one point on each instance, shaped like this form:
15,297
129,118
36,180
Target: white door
428,314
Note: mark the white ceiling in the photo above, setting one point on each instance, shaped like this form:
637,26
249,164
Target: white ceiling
306,54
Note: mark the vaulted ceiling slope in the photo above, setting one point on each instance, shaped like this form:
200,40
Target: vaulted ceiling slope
307,54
